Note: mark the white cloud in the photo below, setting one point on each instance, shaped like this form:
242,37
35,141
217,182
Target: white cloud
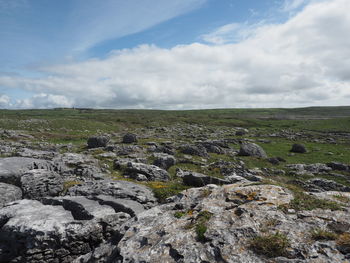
43,101
305,61
290,5
4,101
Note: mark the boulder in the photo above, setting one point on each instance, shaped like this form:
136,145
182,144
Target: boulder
129,138
298,148
39,183
98,141
252,149
149,172
57,232
197,150
9,193
164,161
198,179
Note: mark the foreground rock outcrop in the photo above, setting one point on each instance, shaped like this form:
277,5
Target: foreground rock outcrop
218,224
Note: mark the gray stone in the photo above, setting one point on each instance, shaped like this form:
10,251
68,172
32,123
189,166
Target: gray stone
239,213
39,183
12,168
129,138
252,149
9,193
164,161
198,179
152,172
197,150
33,232
117,189
98,141
298,148
328,185
338,166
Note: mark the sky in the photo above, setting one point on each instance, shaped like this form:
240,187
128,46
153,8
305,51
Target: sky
174,54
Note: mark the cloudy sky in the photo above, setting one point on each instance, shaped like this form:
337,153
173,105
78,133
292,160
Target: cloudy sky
174,54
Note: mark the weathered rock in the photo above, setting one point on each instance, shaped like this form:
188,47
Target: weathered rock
39,183
33,232
12,168
164,161
328,185
235,215
197,150
311,169
338,166
298,148
98,141
198,179
129,138
117,189
150,172
9,193
252,149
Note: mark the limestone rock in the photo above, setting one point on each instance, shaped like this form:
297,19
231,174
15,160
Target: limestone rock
164,161
298,148
39,183
129,138
116,189
252,149
9,193
98,141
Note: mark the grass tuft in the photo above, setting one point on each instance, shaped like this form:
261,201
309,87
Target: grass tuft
271,245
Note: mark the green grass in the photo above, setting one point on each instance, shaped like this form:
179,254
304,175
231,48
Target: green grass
323,234
270,245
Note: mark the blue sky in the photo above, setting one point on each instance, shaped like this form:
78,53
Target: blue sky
137,52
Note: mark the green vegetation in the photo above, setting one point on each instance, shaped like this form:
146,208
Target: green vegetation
179,214
163,190
323,234
270,245
200,224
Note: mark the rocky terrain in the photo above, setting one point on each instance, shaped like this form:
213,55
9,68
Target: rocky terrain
126,187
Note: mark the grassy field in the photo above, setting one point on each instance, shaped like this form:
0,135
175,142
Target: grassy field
309,126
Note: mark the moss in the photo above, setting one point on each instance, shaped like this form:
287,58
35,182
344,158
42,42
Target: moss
201,228
322,234
270,245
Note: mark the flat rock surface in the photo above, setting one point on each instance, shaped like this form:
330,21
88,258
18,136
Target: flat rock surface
11,168
117,189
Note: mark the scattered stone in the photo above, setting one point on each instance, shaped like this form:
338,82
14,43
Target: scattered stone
197,150
252,149
129,138
164,161
151,172
328,185
198,179
98,141
298,148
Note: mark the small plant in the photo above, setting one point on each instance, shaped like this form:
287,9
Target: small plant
179,214
69,184
201,228
271,245
303,201
322,234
